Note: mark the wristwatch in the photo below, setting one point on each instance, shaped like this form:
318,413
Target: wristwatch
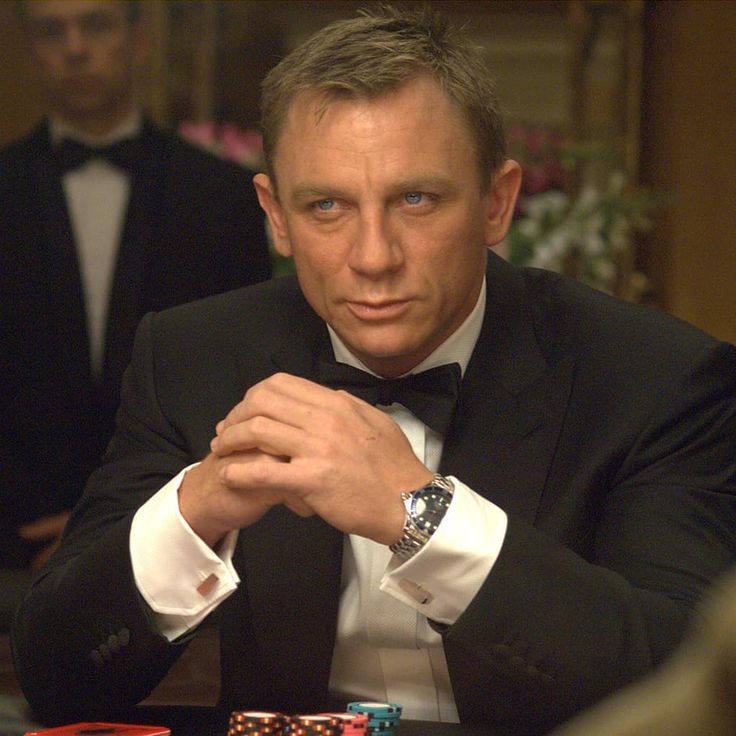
425,509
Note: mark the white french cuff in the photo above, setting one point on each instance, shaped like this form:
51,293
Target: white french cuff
442,578
180,577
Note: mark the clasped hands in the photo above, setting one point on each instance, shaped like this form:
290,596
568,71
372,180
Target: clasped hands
316,451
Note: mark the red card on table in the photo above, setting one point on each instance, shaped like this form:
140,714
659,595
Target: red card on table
102,729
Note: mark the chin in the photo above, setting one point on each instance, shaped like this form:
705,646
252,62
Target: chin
383,360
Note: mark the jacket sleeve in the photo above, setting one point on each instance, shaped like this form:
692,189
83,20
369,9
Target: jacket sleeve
572,611
82,640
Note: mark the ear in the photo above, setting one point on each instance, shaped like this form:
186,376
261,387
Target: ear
266,192
501,201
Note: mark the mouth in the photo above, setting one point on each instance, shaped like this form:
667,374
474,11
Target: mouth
82,81
378,311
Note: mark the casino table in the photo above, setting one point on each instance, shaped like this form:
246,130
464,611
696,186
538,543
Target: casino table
15,720
203,721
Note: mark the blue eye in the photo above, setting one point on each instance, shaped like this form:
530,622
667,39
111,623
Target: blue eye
414,197
325,204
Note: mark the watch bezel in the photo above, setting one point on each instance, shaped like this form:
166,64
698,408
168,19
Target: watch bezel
418,531
432,491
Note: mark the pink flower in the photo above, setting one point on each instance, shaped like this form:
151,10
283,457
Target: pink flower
537,140
243,146
200,134
536,180
516,136
228,141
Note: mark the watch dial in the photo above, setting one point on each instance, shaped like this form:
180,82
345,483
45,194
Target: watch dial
429,508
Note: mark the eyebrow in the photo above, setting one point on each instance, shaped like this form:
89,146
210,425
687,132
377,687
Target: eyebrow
40,22
417,183
310,191
425,181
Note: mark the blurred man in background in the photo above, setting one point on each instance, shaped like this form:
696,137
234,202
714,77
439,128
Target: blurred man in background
104,218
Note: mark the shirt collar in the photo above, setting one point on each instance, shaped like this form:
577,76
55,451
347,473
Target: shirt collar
130,127
457,348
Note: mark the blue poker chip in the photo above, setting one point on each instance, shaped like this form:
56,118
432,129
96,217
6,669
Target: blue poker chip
376,711
383,718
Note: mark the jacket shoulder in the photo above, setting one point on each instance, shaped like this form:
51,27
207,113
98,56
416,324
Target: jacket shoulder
268,311
18,155
570,316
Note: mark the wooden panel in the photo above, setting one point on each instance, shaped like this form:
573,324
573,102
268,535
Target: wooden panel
688,130
22,103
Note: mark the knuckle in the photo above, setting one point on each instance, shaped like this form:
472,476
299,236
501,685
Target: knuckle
261,473
332,424
276,380
258,424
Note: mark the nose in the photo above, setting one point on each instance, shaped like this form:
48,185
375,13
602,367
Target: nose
75,40
377,249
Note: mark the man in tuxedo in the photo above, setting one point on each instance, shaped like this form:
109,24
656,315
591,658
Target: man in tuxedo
105,217
518,529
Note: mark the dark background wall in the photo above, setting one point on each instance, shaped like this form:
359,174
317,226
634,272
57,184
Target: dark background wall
688,132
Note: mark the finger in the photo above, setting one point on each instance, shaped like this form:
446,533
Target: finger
298,506
289,399
258,476
259,433
212,509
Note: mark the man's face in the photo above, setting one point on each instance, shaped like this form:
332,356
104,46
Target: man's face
381,205
86,52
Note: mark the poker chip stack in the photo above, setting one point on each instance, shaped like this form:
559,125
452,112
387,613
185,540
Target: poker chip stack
383,718
350,724
256,723
313,725
360,719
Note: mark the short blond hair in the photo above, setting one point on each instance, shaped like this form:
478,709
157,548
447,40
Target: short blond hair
376,53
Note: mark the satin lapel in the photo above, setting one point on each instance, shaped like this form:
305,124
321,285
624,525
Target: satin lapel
293,565
136,244
58,254
298,336
513,403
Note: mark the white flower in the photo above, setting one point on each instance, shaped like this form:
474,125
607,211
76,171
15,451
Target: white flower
584,234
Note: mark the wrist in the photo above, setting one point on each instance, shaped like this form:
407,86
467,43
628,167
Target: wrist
424,510
190,493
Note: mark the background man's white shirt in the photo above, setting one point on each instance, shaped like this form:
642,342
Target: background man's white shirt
97,195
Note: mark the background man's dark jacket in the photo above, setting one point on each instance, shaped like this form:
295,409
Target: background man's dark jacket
606,431
193,228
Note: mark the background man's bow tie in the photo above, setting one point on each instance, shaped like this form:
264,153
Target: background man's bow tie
430,395
71,154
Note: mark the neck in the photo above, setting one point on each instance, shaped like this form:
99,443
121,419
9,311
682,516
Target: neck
96,125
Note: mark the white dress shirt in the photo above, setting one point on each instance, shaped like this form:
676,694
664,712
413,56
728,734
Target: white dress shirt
97,196
385,649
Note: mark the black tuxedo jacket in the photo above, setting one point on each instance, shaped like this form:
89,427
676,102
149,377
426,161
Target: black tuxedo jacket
606,431
193,228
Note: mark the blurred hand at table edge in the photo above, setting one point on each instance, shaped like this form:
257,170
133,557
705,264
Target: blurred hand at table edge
46,528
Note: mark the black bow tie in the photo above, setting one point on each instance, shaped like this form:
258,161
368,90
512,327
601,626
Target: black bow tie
70,155
430,395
